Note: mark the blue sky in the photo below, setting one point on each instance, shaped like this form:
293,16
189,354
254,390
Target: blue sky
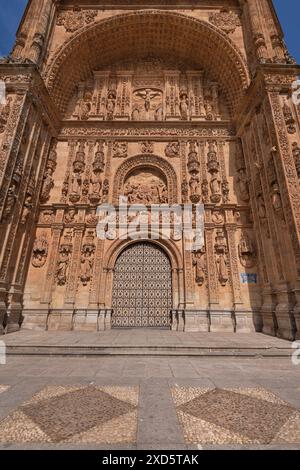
11,12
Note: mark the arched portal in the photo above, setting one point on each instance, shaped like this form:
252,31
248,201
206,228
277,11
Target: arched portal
142,287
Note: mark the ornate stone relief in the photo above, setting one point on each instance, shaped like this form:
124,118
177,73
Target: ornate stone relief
70,216
87,257
226,20
289,119
28,203
40,251
46,217
221,249
74,19
194,171
172,149
213,167
296,155
148,91
200,266
146,187
247,252
13,188
48,182
64,257
4,114
120,149
241,177
147,147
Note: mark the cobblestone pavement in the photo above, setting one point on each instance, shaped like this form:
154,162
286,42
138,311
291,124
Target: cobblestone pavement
149,403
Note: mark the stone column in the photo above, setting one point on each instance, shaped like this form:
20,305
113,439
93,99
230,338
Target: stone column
257,31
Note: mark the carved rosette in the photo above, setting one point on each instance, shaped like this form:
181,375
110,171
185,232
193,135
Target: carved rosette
40,251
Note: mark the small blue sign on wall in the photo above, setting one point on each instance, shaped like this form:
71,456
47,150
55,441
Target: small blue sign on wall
249,278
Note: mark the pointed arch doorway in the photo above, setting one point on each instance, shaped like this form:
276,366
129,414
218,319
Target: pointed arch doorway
142,288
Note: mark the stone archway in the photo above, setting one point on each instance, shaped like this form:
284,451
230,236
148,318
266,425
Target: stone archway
142,287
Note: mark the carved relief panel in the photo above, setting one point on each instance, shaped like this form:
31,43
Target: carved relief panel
149,90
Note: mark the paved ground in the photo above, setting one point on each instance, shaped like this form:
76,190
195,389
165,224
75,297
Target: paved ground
149,402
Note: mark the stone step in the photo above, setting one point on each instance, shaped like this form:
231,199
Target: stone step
146,350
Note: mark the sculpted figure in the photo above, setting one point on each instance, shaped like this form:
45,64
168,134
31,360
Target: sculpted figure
110,106
62,268
199,263
48,184
184,106
243,185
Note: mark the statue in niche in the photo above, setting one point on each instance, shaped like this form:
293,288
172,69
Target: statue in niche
85,106
262,213
199,263
75,187
209,109
296,155
62,267
205,192
215,187
96,182
246,251
87,257
222,270
195,187
243,186
184,106
40,251
48,184
276,200
159,114
70,216
28,204
135,114
110,105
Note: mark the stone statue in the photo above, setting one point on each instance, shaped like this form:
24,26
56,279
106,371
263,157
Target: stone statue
276,200
246,251
184,106
199,263
85,107
48,184
40,251
147,95
296,155
222,270
242,182
10,200
110,105
217,218
86,266
62,267
27,208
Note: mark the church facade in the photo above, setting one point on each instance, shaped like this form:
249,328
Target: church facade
161,102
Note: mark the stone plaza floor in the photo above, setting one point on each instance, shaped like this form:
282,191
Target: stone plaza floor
149,402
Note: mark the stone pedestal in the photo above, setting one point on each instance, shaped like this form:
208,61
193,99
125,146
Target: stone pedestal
14,314
221,321
85,320
35,320
268,313
60,320
196,320
245,321
284,316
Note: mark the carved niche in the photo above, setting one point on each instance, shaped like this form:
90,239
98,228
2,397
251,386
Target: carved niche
200,266
146,186
221,249
87,257
48,182
64,257
246,250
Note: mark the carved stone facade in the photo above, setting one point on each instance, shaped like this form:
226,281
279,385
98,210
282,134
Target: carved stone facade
154,117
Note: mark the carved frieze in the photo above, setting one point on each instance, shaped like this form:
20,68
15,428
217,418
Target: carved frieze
226,20
74,19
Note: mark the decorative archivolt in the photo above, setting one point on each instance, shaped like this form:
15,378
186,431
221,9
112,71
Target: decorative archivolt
144,33
146,163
